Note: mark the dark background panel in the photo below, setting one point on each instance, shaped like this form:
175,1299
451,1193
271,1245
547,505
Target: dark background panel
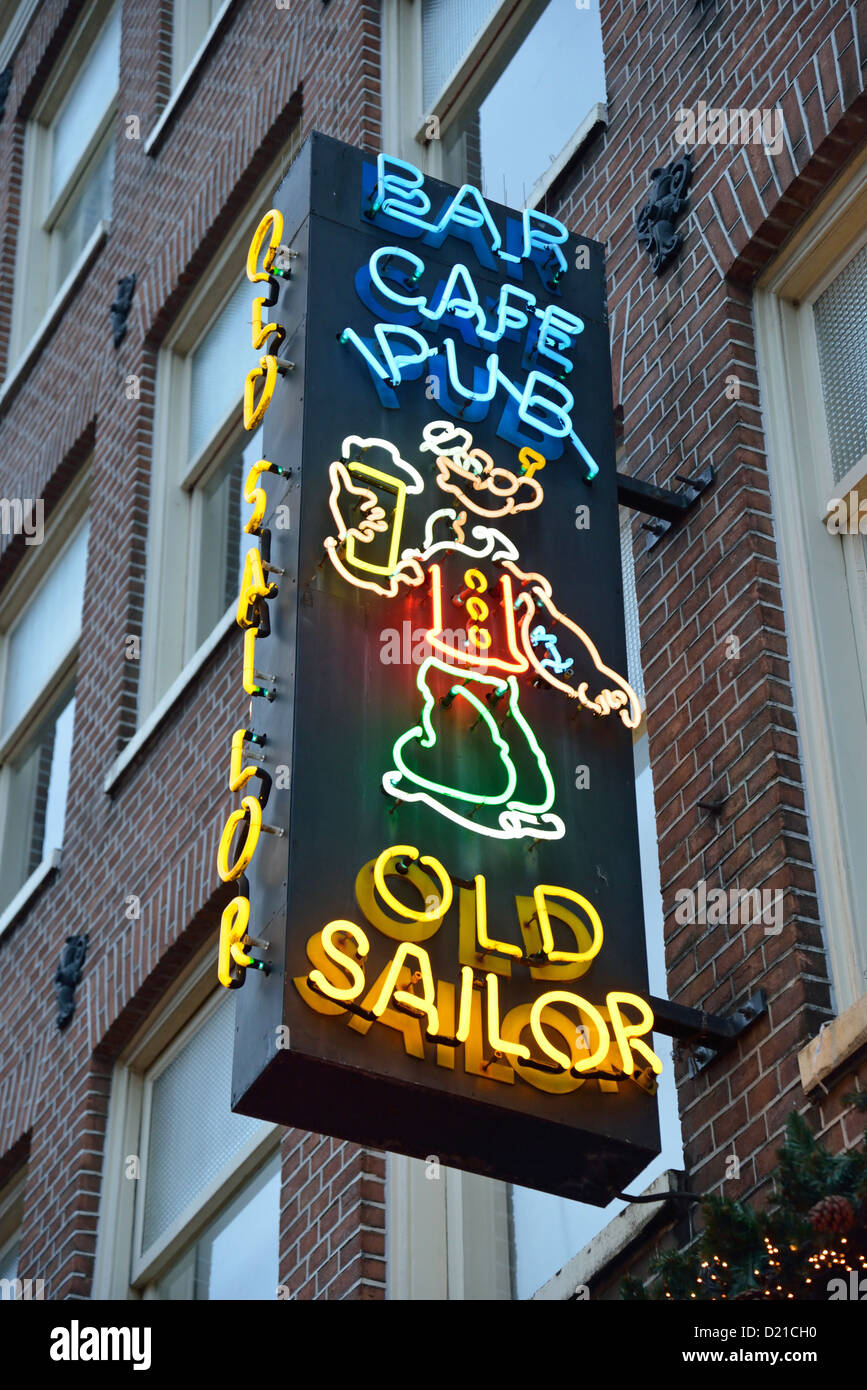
347,706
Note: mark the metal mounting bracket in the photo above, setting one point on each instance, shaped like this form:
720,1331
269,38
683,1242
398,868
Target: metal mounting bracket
708,1035
667,507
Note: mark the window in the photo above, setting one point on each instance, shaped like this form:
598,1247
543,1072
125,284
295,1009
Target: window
11,1205
201,459
68,169
491,93
810,318
192,24
41,625
191,1146
201,1220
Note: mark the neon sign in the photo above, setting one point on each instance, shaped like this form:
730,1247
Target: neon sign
499,637
253,617
540,406
606,1044
452,919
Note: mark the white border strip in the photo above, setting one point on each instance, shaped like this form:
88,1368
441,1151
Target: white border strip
596,116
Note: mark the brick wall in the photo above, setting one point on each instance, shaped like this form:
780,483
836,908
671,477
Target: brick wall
721,729
271,73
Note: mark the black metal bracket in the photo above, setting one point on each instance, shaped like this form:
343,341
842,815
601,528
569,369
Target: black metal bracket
668,507
707,1035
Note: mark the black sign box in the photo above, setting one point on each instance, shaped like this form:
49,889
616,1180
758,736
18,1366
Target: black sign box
347,662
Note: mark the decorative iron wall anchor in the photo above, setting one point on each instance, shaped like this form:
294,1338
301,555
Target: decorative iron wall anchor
119,310
68,976
654,225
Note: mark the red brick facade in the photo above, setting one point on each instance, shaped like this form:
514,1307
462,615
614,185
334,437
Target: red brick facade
719,728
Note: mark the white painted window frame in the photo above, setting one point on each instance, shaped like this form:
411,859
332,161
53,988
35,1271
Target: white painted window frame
182,79
122,1270
829,660
14,21
36,282
171,598
447,1236
404,117
28,579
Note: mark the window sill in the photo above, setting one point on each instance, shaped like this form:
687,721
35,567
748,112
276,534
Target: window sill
29,889
610,1249
181,91
16,374
836,1044
597,116
175,690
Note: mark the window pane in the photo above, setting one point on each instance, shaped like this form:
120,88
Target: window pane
38,778
9,1261
90,205
58,782
635,674
841,330
224,545
85,105
520,122
236,1256
219,365
193,1134
46,632
191,21
448,28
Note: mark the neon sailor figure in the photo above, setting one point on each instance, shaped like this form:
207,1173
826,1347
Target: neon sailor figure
508,626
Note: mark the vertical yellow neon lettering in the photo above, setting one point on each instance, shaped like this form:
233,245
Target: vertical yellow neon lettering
627,1034
262,331
249,807
271,226
233,929
238,775
253,586
254,410
256,496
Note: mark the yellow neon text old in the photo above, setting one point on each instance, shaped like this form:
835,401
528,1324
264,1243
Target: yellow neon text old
439,1020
